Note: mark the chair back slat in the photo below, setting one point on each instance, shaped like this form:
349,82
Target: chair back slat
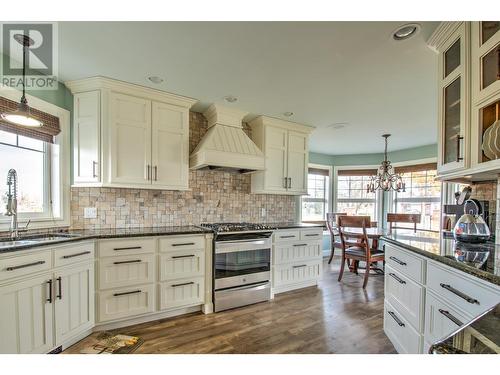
362,222
403,218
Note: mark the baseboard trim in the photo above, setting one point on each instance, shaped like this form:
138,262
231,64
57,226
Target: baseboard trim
145,318
287,288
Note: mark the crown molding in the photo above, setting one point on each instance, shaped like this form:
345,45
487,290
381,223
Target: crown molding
439,36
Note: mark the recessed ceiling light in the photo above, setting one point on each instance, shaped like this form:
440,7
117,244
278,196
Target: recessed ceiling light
406,31
155,79
288,114
230,98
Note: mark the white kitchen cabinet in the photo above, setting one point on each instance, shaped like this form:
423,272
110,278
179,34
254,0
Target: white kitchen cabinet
73,301
183,292
286,150
26,316
86,137
130,140
126,270
129,136
297,259
170,146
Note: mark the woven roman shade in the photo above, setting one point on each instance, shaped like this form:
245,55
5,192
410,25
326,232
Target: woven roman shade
318,171
416,168
357,172
44,133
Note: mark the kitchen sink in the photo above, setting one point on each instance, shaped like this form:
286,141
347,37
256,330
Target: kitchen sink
35,239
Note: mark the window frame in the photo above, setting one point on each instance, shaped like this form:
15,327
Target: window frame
328,198
57,170
378,195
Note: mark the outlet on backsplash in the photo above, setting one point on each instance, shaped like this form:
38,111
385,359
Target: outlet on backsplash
90,213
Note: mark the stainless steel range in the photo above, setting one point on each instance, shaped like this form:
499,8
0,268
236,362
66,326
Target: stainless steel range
242,264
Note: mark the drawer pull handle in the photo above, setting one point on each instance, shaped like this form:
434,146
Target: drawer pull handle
312,235
451,317
59,283
75,255
398,279
125,293
49,300
302,265
289,236
176,285
128,261
127,248
183,256
13,268
299,244
398,261
183,244
459,293
400,323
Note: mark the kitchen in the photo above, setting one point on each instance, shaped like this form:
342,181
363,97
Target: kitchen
171,205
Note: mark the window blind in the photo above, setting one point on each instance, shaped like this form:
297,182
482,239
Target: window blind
318,171
357,172
416,168
45,133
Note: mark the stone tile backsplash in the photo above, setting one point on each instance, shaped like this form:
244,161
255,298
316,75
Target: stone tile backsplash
215,196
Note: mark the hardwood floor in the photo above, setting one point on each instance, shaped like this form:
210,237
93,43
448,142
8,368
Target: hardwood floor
332,318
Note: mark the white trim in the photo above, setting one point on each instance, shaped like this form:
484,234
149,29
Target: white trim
329,168
61,218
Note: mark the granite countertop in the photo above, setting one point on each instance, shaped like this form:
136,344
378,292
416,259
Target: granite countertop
480,336
481,260
80,235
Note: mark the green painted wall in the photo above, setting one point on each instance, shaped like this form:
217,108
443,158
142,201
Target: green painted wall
416,153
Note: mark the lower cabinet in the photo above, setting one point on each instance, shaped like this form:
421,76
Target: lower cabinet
401,333
297,258
126,302
180,293
26,316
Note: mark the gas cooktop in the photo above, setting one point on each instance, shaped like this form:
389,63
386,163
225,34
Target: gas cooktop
237,227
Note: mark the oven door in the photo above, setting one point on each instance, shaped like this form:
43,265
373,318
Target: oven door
242,262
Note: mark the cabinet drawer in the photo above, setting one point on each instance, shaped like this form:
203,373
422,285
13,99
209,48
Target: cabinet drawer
286,235
298,272
293,252
406,295
441,319
182,264
73,254
177,243
25,264
125,302
311,234
405,263
116,272
128,246
182,292
457,287
402,335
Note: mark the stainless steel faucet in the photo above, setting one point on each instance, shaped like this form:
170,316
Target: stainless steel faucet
12,203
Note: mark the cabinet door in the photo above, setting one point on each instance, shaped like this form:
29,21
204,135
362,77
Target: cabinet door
26,315
130,138
453,141
86,137
74,301
297,162
179,293
276,159
170,146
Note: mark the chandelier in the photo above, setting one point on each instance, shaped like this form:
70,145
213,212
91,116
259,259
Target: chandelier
385,179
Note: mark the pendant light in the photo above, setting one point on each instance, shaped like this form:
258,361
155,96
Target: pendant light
22,116
385,179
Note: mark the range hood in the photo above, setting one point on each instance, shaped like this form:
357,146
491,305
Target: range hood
225,145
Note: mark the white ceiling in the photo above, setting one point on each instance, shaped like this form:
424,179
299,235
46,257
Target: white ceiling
324,72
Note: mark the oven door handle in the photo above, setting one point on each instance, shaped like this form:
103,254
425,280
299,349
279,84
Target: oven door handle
256,286
250,242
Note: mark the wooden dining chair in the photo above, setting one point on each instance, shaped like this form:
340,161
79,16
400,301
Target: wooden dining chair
332,225
403,218
355,244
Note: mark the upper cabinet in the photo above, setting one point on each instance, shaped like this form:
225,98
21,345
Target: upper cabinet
129,136
469,99
285,146
452,42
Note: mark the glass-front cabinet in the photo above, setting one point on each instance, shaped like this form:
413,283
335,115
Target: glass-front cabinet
454,126
485,106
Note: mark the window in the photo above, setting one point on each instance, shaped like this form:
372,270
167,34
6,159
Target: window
422,196
315,204
352,197
30,158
